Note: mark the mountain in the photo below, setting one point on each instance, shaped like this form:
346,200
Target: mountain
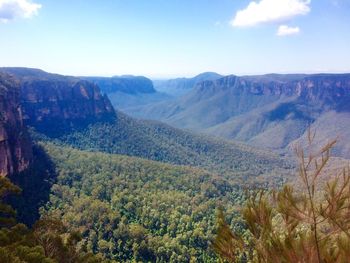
180,86
272,111
126,84
70,111
54,103
128,91
15,144
161,142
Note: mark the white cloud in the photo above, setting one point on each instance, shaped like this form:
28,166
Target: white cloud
284,30
12,9
266,11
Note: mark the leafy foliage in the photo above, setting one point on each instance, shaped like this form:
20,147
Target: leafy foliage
35,183
132,209
7,213
47,242
160,142
292,225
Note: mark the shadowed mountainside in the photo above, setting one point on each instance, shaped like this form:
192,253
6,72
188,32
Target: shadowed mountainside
160,142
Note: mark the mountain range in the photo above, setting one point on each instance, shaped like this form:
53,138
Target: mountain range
180,86
270,111
71,111
129,91
144,190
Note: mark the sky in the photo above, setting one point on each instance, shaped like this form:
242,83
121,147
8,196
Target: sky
173,38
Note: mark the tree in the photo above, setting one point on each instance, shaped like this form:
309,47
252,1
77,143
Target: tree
48,241
290,225
7,213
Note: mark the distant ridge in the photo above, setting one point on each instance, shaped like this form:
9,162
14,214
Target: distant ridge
272,110
126,83
180,86
128,91
72,111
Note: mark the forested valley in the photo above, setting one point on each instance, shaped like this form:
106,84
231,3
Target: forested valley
84,182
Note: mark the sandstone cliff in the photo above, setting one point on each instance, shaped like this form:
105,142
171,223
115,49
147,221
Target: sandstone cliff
15,145
54,104
267,111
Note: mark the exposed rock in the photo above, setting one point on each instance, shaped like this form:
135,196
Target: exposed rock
127,91
126,84
55,104
15,144
266,111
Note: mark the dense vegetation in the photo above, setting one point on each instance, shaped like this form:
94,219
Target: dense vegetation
290,225
47,242
160,142
134,209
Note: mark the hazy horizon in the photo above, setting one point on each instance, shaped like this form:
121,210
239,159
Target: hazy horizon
173,76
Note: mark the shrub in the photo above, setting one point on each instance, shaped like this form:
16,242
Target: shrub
309,224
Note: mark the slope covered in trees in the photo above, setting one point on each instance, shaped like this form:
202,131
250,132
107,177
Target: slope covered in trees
74,112
134,209
47,242
160,142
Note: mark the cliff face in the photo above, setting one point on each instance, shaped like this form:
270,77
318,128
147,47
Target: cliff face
327,89
267,111
15,145
54,104
64,102
127,92
124,84
213,102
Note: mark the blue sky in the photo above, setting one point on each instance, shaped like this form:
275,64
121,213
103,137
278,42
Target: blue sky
168,38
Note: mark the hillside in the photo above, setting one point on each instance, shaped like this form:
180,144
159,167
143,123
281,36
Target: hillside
160,142
133,209
269,111
73,112
128,208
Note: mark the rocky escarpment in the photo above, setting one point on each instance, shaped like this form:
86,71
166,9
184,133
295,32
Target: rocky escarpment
267,111
15,144
125,84
329,90
55,104
126,92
